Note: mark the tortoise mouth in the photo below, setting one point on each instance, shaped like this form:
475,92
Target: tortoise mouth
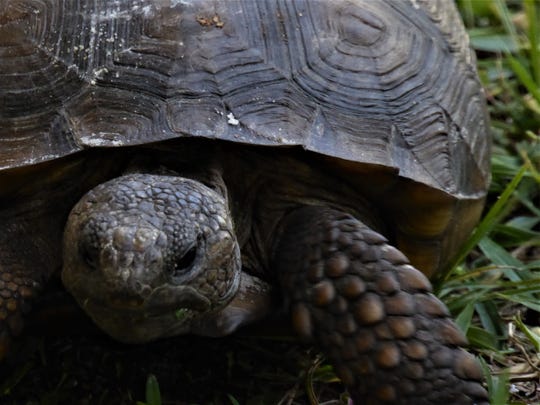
161,301
136,324
167,297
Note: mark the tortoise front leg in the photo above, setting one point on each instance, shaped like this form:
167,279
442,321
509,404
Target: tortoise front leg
29,254
20,280
17,288
373,314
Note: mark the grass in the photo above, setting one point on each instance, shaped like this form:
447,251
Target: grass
152,392
493,290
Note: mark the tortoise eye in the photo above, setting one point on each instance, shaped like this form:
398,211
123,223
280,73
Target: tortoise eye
89,256
186,261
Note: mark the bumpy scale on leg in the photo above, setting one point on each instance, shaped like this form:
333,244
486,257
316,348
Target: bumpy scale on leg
372,313
16,291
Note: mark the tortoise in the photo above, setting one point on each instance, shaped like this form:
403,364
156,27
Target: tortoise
191,166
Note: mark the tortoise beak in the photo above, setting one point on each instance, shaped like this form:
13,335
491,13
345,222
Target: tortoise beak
167,297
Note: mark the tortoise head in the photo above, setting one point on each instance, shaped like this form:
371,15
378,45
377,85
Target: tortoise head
148,255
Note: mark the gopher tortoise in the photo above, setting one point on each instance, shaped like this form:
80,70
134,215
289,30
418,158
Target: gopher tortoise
192,165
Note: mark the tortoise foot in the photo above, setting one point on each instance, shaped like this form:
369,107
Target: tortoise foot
373,314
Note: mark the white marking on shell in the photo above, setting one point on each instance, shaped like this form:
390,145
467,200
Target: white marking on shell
98,73
174,3
232,120
147,10
100,139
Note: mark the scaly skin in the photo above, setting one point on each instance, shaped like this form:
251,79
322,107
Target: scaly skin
150,256
17,289
147,255
30,239
390,339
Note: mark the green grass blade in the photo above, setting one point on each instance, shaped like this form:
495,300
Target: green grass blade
515,235
153,395
481,338
534,265
491,219
233,400
497,386
490,318
492,39
15,377
505,16
524,77
533,34
526,301
533,337
467,12
496,254
463,320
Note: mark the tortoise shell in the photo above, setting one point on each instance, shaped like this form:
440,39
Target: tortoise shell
385,89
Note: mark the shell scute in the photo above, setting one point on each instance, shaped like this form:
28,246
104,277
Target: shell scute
385,83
